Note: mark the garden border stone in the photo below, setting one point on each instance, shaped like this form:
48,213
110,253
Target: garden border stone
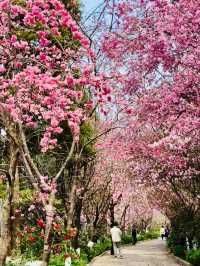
182,262
179,260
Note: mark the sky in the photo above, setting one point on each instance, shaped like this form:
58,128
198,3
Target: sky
90,5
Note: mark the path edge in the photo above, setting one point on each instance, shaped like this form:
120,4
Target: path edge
178,260
181,262
95,258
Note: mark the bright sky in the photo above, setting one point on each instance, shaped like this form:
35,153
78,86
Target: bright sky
90,5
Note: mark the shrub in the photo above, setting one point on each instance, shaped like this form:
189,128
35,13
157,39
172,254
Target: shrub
126,239
57,260
179,251
151,235
98,249
177,243
81,262
148,235
193,257
88,254
170,243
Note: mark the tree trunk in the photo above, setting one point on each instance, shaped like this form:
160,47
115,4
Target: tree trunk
96,220
112,212
49,221
15,222
112,220
5,240
77,220
8,206
72,197
123,218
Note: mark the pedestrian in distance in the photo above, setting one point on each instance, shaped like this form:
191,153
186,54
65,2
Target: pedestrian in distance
167,231
162,232
112,249
116,235
134,234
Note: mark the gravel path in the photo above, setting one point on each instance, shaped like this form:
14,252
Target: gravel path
147,253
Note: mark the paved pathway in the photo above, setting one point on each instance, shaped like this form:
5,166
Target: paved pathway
147,253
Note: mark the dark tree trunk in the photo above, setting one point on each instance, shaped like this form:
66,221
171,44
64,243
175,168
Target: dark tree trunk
112,212
112,220
77,221
96,218
72,198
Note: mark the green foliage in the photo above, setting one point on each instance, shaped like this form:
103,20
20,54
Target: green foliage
3,191
193,257
179,251
16,262
126,239
170,243
98,249
73,9
176,244
19,2
81,262
65,40
57,260
31,244
87,254
26,35
152,234
26,196
87,133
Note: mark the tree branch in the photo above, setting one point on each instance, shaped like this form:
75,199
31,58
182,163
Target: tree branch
26,153
66,160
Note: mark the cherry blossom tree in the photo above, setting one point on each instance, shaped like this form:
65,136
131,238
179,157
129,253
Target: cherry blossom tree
46,77
52,83
128,196
154,48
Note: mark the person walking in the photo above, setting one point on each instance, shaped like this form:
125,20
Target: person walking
162,232
116,235
134,234
167,231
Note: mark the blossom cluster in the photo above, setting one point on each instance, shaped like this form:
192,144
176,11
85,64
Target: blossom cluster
43,72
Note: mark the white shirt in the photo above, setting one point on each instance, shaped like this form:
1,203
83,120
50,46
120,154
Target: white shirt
116,234
162,230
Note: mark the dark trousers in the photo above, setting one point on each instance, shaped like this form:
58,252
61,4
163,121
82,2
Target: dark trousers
134,239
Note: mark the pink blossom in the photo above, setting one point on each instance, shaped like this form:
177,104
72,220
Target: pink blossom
44,42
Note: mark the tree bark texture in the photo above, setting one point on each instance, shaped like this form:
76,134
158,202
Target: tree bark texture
8,206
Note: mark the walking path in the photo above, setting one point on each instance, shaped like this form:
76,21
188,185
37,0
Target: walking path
147,253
